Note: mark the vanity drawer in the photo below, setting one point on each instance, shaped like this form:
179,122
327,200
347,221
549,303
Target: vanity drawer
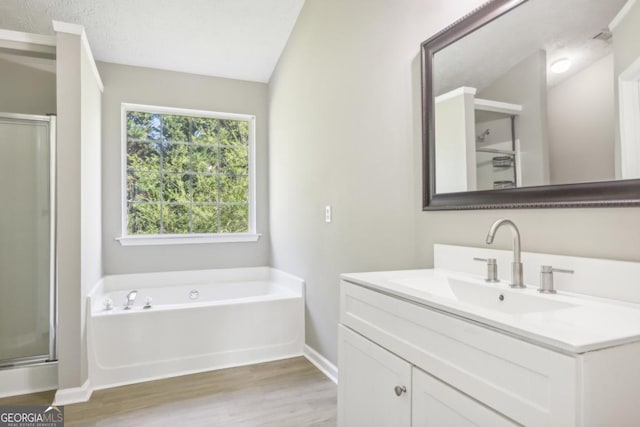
532,385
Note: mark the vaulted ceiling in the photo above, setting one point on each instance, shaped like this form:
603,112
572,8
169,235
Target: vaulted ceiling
239,39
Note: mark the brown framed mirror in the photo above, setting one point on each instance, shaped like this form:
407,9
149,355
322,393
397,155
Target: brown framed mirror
533,103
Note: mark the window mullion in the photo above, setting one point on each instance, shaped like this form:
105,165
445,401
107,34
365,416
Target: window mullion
161,192
218,181
191,171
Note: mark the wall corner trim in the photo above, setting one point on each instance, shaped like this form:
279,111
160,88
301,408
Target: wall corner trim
78,30
67,396
621,15
322,363
22,37
66,27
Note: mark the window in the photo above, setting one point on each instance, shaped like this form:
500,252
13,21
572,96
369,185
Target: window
188,176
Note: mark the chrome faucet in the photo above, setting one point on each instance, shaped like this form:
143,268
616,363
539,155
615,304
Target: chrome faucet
516,265
131,298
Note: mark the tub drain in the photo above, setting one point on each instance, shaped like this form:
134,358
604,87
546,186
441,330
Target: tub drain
194,294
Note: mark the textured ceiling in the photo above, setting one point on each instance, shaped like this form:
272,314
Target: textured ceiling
240,39
561,28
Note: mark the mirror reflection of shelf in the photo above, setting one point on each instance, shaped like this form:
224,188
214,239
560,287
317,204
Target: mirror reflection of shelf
502,170
496,151
465,149
503,162
487,110
499,185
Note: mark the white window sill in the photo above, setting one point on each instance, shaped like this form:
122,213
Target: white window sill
180,239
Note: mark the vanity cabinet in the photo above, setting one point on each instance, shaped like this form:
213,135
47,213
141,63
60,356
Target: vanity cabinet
378,388
367,386
435,404
457,372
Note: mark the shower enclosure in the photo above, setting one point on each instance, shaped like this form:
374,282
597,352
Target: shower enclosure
27,239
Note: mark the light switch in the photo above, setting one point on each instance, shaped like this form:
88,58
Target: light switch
327,213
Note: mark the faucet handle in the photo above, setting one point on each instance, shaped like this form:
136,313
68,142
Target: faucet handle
546,278
492,269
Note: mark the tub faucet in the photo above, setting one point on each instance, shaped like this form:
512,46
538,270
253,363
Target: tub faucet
516,265
131,298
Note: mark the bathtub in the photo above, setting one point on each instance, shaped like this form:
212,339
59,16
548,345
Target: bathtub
197,321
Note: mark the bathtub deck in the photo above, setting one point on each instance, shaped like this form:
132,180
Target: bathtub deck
289,392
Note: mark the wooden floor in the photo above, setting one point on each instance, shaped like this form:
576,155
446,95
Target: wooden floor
289,392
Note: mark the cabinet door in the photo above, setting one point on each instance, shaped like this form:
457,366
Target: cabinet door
436,404
368,377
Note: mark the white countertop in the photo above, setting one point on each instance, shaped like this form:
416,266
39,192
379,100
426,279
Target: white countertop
567,322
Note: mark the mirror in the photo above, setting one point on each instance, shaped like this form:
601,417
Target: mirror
533,103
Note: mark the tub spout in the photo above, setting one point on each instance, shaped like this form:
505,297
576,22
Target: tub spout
131,298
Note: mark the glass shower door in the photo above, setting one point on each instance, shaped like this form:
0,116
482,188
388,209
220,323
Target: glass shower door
27,267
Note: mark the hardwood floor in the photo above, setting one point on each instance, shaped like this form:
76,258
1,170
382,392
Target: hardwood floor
41,398
289,392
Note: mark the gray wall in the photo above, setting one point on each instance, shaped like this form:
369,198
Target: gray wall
90,183
79,252
25,86
581,125
345,130
72,363
172,89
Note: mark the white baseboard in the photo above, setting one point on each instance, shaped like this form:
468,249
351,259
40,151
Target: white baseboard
67,396
320,362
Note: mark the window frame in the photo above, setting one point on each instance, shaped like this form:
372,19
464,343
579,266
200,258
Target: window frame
126,239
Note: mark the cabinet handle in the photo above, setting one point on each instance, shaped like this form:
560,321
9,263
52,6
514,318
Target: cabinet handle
399,390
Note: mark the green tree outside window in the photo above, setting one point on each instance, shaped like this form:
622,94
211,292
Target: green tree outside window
186,175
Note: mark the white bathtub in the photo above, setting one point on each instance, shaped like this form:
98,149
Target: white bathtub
240,316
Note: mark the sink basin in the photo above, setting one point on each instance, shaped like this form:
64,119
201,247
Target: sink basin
477,293
564,321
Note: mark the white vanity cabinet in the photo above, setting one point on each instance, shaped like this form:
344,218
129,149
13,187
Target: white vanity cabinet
378,388
368,386
456,372
435,404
